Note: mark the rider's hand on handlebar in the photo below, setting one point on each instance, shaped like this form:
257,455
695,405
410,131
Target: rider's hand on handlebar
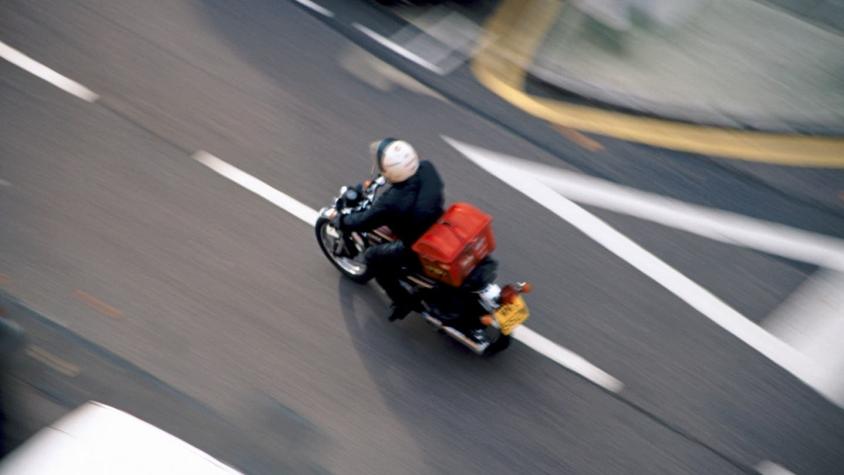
334,217
337,222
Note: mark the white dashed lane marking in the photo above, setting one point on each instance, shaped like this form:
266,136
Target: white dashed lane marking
566,358
34,67
400,50
260,188
316,7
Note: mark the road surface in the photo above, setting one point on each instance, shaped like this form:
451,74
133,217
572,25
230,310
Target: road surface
207,310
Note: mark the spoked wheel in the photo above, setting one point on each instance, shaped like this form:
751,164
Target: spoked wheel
330,242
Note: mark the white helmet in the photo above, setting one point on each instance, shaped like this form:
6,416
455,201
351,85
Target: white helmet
395,159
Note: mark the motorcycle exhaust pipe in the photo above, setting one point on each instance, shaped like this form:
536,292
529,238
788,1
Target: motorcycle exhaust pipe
478,348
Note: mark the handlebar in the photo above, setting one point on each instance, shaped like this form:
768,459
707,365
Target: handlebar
361,197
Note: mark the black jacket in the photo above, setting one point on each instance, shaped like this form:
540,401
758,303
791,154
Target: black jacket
409,208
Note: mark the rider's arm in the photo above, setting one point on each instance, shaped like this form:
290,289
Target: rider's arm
371,218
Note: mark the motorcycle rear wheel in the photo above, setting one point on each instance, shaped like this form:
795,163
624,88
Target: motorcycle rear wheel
498,345
354,269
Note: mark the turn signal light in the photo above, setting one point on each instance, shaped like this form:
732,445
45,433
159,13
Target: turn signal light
487,320
526,287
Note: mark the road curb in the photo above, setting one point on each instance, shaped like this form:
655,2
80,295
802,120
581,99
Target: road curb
574,90
505,77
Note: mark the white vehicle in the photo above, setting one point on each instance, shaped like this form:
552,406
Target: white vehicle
98,439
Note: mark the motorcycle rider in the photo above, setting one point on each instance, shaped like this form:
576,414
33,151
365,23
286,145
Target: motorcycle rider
411,205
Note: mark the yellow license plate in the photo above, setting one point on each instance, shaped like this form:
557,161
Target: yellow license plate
512,315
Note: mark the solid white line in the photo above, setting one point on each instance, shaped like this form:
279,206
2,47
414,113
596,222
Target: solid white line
400,50
258,187
724,226
316,7
693,294
30,65
567,358
527,336
767,467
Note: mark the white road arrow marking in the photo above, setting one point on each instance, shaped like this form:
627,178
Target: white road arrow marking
724,226
542,184
812,322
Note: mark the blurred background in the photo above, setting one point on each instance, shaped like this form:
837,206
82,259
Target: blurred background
698,146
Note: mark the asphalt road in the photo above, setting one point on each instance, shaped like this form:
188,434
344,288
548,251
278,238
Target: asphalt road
222,311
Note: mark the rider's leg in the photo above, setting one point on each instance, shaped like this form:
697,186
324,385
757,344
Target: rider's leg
386,261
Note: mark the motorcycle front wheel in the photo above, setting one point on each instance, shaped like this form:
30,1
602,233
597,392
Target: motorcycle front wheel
328,239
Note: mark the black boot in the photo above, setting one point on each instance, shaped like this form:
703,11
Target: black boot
400,310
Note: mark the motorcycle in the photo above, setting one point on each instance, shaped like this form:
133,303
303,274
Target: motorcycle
479,314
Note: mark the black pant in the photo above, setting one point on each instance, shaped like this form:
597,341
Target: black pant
387,262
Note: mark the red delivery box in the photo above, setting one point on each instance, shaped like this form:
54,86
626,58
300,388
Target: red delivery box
454,245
